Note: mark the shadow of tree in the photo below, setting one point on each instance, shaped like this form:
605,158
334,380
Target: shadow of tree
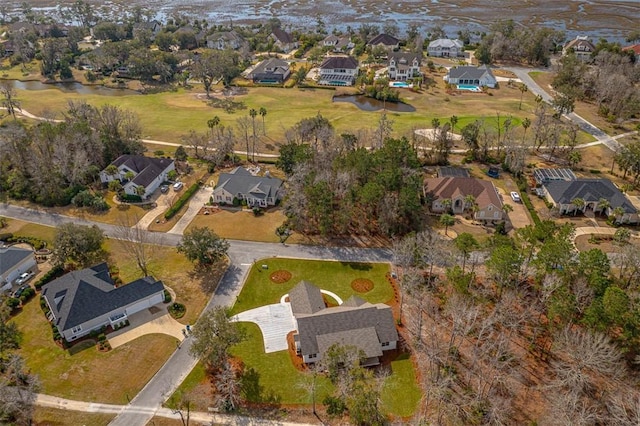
253,391
82,346
208,276
358,266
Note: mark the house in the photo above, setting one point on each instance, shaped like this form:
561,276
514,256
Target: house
635,52
404,65
458,192
476,76
7,48
224,40
338,71
337,43
241,185
369,327
543,176
562,193
446,48
449,171
271,70
387,41
148,173
154,27
283,40
13,262
581,46
88,299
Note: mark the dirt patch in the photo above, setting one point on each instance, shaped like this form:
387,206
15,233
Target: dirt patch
362,285
280,276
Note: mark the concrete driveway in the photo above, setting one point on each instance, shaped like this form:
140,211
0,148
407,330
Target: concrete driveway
199,199
519,217
155,320
275,322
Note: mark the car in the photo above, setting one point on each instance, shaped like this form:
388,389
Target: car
19,291
164,188
24,277
515,197
177,186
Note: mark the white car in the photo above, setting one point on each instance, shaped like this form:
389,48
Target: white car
24,277
515,197
177,186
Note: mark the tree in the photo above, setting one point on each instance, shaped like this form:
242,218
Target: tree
263,114
181,154
447,220
465,243
578,204
18,392
523,89
214,334
9,101
622,236
138,243
77,245
216,64
203,246
213,123
253,113
526,123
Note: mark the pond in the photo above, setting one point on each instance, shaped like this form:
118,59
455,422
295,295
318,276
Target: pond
71,88
369,104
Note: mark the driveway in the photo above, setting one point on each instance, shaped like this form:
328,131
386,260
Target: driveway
275,322
199,199
155,320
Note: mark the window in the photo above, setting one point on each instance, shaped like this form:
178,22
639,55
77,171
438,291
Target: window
385,344
313,356
76,330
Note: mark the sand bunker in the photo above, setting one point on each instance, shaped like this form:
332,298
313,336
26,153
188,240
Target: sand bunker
429,133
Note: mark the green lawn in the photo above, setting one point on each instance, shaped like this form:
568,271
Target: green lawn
400,393
45,416
259,290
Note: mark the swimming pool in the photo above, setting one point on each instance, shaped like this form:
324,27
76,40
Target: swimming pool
469,87
399,84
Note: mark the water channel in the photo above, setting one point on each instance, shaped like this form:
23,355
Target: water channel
71,88
369,104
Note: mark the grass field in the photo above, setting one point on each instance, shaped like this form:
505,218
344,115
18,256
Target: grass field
55,417
259,290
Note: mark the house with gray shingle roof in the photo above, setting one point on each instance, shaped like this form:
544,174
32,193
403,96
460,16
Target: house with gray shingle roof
13,262
149,173
258,191
385,40
223,40
561,194
271,70
88,299
369,327
404,65
477,76
446,48
283,40
338,71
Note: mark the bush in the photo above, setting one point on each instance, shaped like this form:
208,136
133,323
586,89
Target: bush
6,236
158,153
171,212
167,296
87,198
37,243
129,198
527,202
27,295
335,406
12,303
257,211
52,274
177,310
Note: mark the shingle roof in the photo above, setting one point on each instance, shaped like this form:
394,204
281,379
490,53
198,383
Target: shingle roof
282,35
225,35
635,48
405,58
451,187
384,39
580,43
240,181
147,169
80,296
334,62
470,73
12,256
590,190
453,172
275,65
446,42
306,298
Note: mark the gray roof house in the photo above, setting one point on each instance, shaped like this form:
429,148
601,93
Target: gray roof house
385,40
476,76
369,327
271,70
149,173
404,65
561,194
283,40
258,191
225,40
88,299
13,262
338,71
338,43
445,47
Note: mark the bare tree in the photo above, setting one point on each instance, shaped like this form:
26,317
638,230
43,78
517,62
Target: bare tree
9,101
138,242
227,384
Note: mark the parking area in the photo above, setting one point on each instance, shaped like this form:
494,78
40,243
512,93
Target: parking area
275,322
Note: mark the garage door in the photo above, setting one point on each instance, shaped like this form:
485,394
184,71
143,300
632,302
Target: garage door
144,304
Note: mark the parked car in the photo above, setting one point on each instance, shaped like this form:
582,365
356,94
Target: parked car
19,291
164,188
177,186
515,196
24,277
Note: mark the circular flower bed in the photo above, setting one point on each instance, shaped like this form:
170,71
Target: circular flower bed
177,310
280,276
362,285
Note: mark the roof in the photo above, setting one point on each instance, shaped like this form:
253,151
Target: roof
282,36
147,169
446,43
225,35
452,172
334,62
546,175
273,65
80,296
405,57
470,73
634,47
580,43
355,322
590,190
451,187
306,298
384,39
240,181
12,256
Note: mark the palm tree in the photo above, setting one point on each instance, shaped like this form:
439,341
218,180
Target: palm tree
253,113
469,201
526,123
446,204
578,203
603,205
263,112
618,212
453,120
129,175
447,220
140,190
523,89
213,123
507,208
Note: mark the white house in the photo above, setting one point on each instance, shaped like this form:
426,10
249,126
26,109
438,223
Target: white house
86,300
225,40
148,173
404,65
338,43
338,71
13,262
447,48
476,76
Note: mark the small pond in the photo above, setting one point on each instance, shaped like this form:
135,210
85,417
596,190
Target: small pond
71,88
369,104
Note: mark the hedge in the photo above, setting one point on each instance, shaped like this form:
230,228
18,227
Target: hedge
53,273
129,198
527,202
6,236
37,243
181,201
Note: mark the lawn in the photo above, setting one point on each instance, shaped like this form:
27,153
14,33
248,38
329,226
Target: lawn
259,290
400,392
89,375
27,229
45,416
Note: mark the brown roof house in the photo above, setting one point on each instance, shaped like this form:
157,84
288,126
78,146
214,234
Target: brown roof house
283,40
385,40
581,46
338,71
464,194
369,327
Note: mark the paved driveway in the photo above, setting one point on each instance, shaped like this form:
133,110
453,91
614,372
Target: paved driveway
275,322
155,320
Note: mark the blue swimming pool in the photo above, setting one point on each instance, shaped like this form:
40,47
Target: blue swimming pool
469,87
399,84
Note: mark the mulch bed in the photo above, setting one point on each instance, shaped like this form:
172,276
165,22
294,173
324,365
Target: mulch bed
362,285
280,276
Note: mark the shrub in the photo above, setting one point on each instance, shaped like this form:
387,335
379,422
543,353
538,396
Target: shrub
53,273
158,153
527,202
335,406
171,212
6,236
257,211
167,296
129,198
236,202
37,243
27,295
177,310
12,303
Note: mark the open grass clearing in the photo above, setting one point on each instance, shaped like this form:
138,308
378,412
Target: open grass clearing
400,392
602,242
28,229
259,290
45,416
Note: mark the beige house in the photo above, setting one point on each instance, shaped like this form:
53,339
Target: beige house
581,46
462,194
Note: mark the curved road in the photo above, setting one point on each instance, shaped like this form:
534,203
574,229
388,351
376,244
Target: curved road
242,255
